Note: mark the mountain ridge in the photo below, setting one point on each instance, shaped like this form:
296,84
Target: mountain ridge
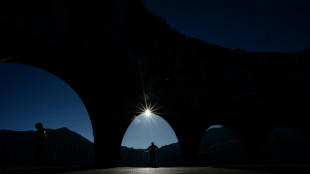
60,135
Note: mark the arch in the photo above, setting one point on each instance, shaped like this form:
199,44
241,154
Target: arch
30,94
140,133
286,145
221,145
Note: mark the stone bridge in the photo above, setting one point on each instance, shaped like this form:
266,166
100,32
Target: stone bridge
114,52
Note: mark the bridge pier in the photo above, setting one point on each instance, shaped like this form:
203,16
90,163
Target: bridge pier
189,137
107,153
253,139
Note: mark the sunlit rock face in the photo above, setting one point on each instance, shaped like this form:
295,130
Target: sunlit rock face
108,50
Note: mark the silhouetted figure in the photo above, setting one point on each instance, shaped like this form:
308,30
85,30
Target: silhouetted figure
152,149
40,141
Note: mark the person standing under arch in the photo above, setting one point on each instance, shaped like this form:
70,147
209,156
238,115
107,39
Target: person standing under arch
152,149
41,138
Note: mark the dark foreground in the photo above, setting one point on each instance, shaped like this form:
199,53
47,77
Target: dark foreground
171,170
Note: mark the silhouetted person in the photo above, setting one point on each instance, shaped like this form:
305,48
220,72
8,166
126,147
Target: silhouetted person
40,141
152,149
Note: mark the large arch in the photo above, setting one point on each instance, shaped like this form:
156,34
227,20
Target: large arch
286,145
221,146
99,84
30,95
143,130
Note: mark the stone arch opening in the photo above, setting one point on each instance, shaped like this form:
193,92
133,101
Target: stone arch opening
30,95
286,145
139,135
220,145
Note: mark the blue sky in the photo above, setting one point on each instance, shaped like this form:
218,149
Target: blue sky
30,95
144,130
252,25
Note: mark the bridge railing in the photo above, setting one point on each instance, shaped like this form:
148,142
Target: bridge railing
20,153
130,158
17,153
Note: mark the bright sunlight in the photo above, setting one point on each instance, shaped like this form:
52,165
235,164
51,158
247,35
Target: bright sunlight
147,113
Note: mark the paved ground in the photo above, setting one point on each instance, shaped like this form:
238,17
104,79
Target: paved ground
179,170
171,170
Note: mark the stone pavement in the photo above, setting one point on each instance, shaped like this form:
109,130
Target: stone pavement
170,170
196,170
174,170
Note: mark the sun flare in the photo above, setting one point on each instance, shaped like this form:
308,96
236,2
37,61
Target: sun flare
147,112
148,109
